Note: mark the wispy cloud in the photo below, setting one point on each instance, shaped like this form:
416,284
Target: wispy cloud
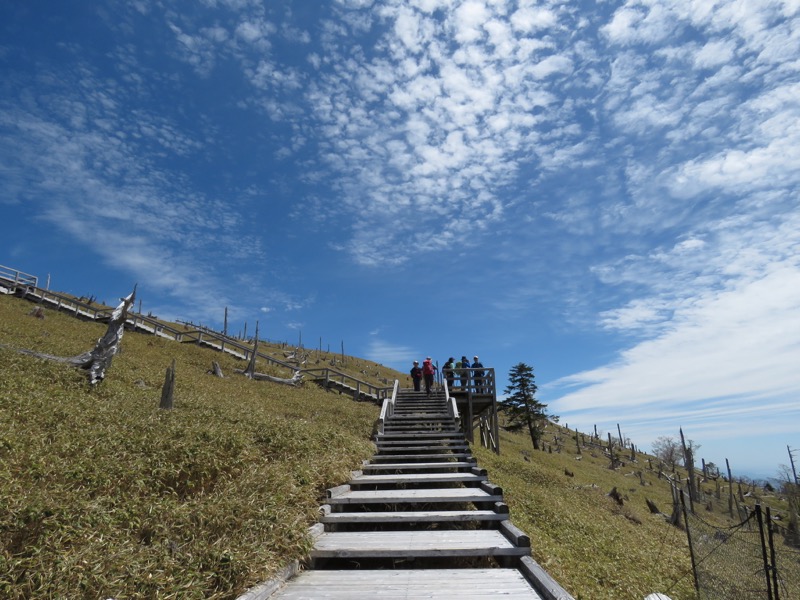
386,353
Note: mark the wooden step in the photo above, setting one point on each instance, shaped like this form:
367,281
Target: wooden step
414,441
414,496
448,428
422,457
409,584
389,448
420,435
415,516
418,466
418,544
418,478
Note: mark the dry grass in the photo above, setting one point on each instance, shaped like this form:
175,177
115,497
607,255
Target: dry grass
104,495
595,548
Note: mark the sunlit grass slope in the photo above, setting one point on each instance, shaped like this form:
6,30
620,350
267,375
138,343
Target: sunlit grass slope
595,548
104,495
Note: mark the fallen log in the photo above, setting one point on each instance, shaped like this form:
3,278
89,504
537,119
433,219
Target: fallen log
295,380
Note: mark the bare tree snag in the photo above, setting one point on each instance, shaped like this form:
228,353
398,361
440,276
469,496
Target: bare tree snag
167,392
98,360
616,496
251,366
216,370
652,507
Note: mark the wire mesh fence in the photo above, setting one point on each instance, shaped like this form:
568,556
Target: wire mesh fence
786,546
728,561
757,558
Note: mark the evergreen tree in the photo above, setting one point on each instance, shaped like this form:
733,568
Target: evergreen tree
521,407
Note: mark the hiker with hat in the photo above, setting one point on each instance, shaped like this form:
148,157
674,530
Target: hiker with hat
477,374
428,371
416,375
448,370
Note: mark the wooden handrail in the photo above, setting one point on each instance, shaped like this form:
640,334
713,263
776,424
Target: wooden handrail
327,373
387,410
17,277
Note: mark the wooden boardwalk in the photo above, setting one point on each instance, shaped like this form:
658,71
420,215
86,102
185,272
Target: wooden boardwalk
421,520
25,285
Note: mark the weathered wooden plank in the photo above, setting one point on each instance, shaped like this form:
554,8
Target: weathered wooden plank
437,445
542,581
417,478
419,466
514,534
413,435
406,447
429,516
455,542
418,438
422,457
414,495
438,584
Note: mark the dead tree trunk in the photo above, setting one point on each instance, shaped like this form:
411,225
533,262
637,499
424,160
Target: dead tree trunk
216,370
251,366
98,360
168,390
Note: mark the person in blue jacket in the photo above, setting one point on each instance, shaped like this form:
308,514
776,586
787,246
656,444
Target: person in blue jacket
478,375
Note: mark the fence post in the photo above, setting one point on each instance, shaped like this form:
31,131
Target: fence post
689,538
760,520
774,565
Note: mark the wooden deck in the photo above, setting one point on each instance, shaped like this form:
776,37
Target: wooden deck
408,584
421,501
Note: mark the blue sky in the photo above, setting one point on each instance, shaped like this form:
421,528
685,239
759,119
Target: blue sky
607,191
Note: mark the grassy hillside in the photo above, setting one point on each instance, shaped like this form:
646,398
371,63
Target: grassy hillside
597,549
104,495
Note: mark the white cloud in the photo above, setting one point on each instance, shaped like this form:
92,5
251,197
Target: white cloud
714,54
386,353
530,20
552,65
470,17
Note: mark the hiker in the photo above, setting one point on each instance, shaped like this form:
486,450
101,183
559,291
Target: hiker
448,372
464,373
416,375
478,375
428,371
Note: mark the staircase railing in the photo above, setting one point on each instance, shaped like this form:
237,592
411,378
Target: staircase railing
387,410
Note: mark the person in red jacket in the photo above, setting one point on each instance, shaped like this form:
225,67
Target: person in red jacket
428,371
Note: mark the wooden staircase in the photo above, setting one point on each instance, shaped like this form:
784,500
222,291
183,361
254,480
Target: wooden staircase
420,521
